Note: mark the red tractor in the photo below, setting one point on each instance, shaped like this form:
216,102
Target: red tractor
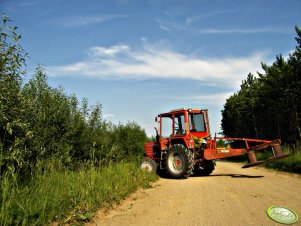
184,146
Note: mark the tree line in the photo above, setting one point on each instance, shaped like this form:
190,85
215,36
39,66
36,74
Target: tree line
268,106
39,122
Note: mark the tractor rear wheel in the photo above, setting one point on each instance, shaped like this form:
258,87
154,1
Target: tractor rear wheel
179,161
149,165
203,168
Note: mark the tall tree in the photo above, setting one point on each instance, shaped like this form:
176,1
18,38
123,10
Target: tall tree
268,107
295,83
12,62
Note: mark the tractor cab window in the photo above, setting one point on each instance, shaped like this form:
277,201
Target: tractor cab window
179,124
166,123
196,122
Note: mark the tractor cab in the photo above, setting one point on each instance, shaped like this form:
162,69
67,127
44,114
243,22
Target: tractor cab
182,126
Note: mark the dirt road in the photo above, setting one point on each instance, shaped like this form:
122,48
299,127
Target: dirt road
230,196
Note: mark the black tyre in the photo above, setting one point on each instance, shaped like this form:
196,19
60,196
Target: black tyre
149,165
179,161
203,168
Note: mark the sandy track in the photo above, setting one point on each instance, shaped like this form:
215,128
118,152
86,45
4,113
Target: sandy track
230,196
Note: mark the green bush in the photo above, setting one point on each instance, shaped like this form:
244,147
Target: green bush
39,122
291,164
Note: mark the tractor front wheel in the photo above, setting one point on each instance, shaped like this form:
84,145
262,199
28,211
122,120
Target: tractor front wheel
149,165
179,161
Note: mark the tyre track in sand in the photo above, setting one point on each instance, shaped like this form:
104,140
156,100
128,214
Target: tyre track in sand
229,196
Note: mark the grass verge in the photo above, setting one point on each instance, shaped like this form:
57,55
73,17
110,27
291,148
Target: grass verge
68,196
290,164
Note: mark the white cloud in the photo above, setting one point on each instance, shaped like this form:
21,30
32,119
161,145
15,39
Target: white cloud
110,52
108,116
187,27
245,30
155,61
211,99
206,16
84,20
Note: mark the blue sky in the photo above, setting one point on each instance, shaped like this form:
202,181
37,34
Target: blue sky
140,58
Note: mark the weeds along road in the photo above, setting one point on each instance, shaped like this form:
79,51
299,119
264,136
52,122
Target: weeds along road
230,196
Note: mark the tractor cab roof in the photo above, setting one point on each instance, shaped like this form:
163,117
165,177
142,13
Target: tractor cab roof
194,110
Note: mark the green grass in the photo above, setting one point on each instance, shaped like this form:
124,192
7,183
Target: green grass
290,164
68,196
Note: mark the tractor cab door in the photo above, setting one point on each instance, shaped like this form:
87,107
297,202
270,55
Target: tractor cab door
165,124
172,126
179,125
199,124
